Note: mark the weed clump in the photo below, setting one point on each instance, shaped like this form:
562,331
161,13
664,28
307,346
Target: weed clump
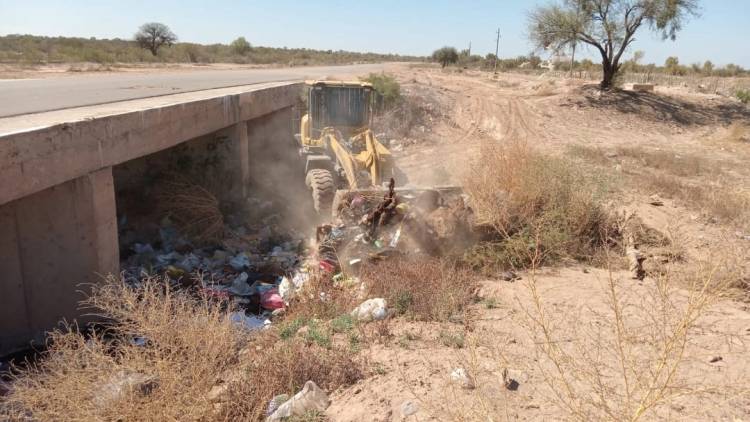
527,199
422,289
161,355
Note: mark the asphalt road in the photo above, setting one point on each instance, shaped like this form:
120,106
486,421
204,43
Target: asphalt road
25,96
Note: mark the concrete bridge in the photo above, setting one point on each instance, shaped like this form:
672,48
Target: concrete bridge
58,219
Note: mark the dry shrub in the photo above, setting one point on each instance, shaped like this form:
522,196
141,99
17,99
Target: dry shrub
189,342
278,366
630,362
194,208
190,347
528,198
685,165
721,200
321,298
426,289
738,132
545,89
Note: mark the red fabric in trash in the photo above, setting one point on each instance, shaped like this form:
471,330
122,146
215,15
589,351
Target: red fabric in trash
270,299
327,266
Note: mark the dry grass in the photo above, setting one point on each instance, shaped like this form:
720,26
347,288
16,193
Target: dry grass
631,363
191,347
425,289
693,180
738,132
527,197
683,165
720,200
277,366
322,299
193,208
190,341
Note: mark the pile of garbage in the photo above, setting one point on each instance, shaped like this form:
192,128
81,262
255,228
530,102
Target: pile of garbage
246,267
374,225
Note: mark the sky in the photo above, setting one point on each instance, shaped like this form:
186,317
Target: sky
720,34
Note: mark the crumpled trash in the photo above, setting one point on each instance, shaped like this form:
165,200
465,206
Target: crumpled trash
189,263
143,248
168,258
250,323
271,300
240,287
122,384
371,310
311,398
240,262
275,402
462,378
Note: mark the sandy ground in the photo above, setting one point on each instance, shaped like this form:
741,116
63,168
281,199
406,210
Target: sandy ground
470,108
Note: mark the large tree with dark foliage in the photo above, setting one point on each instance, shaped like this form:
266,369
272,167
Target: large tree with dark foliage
608,26
152,36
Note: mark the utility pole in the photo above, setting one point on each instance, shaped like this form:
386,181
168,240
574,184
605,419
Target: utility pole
497,49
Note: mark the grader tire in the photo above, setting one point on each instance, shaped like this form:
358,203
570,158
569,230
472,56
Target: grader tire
320,181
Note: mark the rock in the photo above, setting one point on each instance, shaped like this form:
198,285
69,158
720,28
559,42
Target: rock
716,359
371,310
310,399
508,276
218,393
512,378
122,384
409,408
462,377
655,200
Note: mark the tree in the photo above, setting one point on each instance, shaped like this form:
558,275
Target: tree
240,46
708,68
609,26
445,56
152,36
672,65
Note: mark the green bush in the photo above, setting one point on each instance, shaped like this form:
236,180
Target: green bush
743,95
387,88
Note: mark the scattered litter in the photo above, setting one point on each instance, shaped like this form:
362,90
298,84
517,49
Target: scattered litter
240,262
462,378
513,378
271,299
371,310
275,402
409,408
240,287
123,384
312,398
249,322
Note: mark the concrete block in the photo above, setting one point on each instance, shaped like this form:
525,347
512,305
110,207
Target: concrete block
65,237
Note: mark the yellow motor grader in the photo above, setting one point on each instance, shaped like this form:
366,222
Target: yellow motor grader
338,146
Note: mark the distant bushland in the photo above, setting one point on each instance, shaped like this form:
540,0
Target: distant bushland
32,49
